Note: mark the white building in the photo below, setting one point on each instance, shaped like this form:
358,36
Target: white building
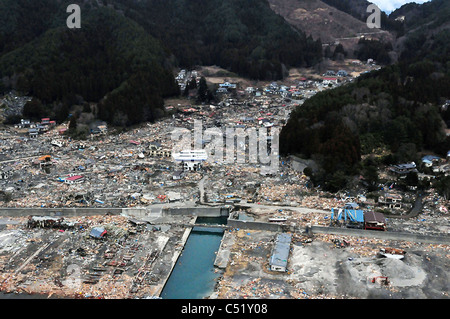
191,160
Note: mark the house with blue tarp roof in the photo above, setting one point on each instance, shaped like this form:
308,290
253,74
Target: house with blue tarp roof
428,160
351,215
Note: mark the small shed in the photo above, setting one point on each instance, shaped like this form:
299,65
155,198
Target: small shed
74,179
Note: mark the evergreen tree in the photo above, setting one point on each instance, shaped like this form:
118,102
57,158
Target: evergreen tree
202,92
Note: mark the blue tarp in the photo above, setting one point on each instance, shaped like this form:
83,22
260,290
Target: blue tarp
349,214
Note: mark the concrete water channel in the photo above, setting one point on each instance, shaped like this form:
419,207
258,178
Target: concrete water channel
194,275
193,253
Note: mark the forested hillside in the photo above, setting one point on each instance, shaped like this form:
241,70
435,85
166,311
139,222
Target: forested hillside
60,67
245,37
397,109
124,54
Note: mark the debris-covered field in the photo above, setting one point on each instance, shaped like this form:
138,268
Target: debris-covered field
127,259
328,266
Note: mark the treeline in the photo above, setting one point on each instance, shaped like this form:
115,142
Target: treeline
374,49
23,20
245,37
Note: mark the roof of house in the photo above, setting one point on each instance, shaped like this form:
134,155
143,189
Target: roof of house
405,166
44,158
430,158
74,178
374,217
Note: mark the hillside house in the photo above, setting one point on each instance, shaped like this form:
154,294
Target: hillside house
222,90
33,132
403,169
430,160
330,80
228,85
329,73
24,123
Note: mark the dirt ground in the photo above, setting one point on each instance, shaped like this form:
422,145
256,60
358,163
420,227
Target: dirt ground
320,270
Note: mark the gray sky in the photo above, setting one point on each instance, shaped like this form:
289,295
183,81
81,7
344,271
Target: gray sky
390,5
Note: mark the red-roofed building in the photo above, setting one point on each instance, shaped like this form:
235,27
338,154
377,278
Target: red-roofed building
330,80
74,179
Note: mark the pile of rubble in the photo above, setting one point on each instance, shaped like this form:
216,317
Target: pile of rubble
69,257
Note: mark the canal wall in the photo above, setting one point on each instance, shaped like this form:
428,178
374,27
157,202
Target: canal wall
223,253
385,235
176,256
219,212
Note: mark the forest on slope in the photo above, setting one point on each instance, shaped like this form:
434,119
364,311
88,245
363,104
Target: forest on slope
122,58
59,67
397,109
245,37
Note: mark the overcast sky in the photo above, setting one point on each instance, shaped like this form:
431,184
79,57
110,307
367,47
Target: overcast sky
390,5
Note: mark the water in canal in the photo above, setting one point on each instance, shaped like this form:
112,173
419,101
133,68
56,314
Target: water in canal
193,276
